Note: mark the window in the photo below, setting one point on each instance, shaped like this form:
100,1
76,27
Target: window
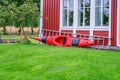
83,12
101,12
68,12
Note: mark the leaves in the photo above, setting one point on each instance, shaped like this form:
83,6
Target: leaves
7,12
14,12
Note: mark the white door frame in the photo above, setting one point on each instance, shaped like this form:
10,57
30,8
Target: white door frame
41,19
118,23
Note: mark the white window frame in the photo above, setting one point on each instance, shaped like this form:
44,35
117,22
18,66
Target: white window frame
41,19
68,27
92,26
85,27
102,27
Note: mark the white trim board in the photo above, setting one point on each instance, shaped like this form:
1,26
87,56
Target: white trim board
118,23
41,19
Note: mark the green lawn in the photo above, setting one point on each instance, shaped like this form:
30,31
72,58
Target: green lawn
43,62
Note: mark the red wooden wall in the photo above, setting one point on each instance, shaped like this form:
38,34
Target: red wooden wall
102,33
114,22
86,32
51,14
51,19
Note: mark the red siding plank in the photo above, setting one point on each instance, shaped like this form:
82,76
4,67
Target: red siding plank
69,31
101,33
86,32
114,22
51,10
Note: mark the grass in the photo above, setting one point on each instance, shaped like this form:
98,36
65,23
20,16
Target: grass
43,62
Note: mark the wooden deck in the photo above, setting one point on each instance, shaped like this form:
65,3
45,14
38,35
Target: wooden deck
102,47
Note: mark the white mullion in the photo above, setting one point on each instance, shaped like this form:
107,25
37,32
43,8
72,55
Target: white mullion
76,12
75,17
102,8
61,14
41,20
109,43
84,13
68,14
92,16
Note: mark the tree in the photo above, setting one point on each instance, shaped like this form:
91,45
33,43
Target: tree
28,10
3,14
7,14
19,13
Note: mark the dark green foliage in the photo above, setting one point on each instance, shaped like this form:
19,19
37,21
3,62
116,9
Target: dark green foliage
14,12
7,13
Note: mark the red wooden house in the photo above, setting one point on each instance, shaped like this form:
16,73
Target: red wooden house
89,17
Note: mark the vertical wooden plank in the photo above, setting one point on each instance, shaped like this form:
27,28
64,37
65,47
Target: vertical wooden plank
52,7
53,14
58,15
114,22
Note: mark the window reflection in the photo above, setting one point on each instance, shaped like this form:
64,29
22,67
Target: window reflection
65,17
65,4
105,16
80,16
106,13
87,3
97,2
87,16
71,18
71,5
105,3
98,16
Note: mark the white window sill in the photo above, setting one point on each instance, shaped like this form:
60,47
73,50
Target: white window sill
67,27
103,28
83,27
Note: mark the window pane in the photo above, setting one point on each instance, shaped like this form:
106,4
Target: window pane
80,3
87,16
71,4
98,16
64,3
106,16
106,3
84,13
80,16
97,2
65,17
71,18
87,3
